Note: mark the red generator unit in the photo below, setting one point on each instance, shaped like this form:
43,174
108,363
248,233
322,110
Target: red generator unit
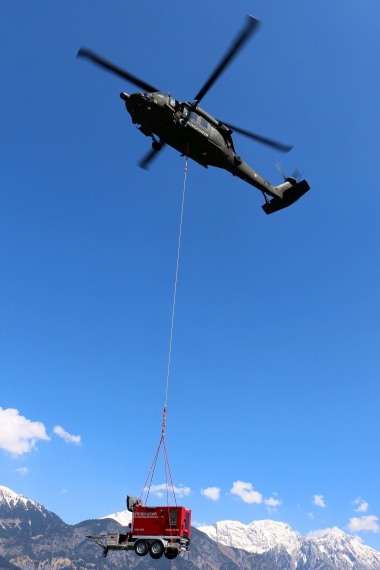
154,530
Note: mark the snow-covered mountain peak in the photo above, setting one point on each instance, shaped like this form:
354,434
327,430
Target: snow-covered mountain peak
335,542
328,548
256,537
10,498
331,532
122,517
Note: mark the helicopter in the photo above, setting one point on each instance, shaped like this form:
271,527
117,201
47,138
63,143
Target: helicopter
189,129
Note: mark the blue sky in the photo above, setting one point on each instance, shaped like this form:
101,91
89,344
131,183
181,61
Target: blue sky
274,386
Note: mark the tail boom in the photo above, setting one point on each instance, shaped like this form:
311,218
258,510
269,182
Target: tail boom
289,196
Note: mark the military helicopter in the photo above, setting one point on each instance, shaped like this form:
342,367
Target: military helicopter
195,133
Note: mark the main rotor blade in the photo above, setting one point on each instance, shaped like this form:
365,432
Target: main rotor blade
251,25
151,155
263,140
109,66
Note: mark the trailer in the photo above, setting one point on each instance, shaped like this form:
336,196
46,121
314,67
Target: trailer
154,530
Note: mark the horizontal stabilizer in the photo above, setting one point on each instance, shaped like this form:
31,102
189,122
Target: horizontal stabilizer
290,196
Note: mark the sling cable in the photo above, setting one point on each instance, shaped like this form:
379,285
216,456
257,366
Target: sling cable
164,530
161,444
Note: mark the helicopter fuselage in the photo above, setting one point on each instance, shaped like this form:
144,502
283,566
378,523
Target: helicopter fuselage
197,134
193,132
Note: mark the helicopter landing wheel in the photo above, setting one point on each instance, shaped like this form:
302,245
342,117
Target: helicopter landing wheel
156,145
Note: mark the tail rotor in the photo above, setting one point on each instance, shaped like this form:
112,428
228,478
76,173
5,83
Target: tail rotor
293,179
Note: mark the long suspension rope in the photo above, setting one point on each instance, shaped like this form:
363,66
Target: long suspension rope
168,474
175,283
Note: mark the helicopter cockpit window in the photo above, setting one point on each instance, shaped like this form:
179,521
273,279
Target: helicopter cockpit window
204,123
194,117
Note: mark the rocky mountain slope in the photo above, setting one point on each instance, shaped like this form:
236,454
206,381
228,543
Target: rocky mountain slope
33,538
21,518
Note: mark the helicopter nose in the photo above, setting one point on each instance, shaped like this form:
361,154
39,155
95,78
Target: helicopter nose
139,97
124,96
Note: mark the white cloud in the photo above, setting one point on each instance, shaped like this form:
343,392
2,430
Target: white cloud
67,437
22,470
18,435
362,506
212,493
319,501
160,490
363,524
249,495
246,492
272,502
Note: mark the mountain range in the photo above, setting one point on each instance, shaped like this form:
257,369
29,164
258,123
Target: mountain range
33,538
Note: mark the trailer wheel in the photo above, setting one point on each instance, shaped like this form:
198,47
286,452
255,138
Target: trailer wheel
156,549
171,553
141,548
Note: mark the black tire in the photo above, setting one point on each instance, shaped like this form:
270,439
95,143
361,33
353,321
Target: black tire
171,553
141,547
156,549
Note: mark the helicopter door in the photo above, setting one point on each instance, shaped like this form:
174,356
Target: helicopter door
200,123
